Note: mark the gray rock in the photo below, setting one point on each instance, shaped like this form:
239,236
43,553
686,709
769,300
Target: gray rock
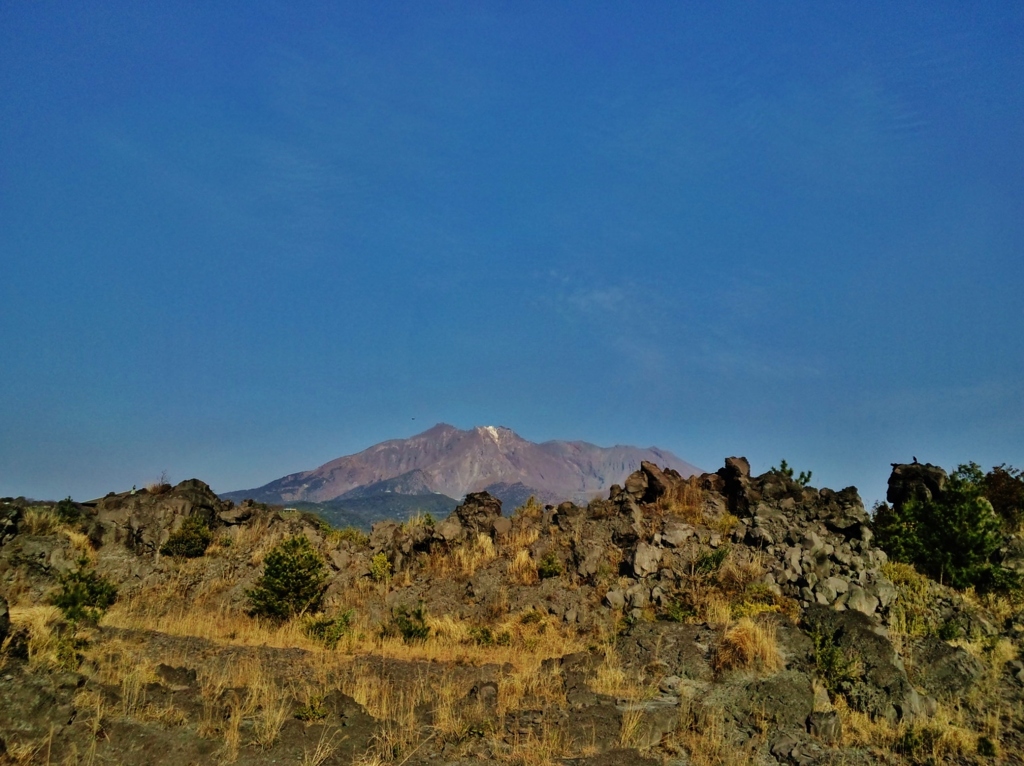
5,619
615,599
942,670
676,534
646,559
861,600
637,596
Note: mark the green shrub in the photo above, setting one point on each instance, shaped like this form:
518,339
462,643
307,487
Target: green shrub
190,541
549,566
312,711
380,567
1004,488
352,535
951,538
411,625
328,630
84,595
836,669
67,511
483,636
677,611
784,470
711,561
293,581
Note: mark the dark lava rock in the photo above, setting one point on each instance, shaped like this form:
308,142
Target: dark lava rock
5,619
882,688
943,670
908,481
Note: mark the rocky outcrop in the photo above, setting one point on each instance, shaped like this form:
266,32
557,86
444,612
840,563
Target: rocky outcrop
143,520
910,481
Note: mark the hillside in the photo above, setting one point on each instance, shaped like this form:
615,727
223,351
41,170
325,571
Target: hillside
725,619
453,462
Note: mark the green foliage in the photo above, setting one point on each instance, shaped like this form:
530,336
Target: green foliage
380,567
836,669
293,581
951,538
67,511
328,630
677,611
549,566
352,535
482,636
1004,488
784,470
411,625
710,562
312,711
190,541
84,595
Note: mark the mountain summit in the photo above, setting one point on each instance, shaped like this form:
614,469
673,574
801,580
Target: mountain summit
449,461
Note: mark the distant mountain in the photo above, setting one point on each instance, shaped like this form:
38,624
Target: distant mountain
450,463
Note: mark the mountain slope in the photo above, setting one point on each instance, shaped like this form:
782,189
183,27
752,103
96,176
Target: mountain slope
453,462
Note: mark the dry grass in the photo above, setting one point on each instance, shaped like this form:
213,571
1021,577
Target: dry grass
39,520
50,642
748,645
702,736
685,501
522,569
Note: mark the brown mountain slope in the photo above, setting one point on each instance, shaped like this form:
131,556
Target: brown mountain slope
454,462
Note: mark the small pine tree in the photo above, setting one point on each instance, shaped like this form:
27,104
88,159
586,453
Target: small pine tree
84,595
293,581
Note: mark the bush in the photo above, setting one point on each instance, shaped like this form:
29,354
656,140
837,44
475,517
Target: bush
191,541
328,630
84,595
380,567
549,566
293,581
411,625
1004,488
951,538
67,511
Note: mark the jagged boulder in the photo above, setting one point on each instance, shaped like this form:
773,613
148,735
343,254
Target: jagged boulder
908,481
943,670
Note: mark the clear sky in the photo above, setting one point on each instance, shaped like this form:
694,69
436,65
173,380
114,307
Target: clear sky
238,240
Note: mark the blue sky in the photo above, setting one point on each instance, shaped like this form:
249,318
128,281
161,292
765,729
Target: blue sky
239,241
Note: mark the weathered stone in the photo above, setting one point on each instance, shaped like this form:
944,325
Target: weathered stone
942,670
861,600
501,526
646,559
615,599
675,534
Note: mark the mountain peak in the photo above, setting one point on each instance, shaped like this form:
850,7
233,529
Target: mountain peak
454,462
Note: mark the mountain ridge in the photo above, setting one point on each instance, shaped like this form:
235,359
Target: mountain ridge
449,461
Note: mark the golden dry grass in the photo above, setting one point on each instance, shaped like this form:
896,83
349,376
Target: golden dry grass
522,569
748,645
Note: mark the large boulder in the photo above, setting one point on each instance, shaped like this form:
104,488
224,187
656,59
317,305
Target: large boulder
868,671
